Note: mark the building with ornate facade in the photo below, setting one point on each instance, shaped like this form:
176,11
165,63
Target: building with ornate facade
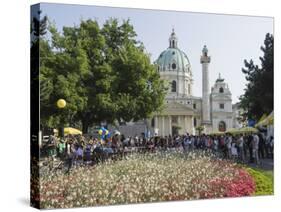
183,111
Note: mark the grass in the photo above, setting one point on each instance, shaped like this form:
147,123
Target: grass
264,181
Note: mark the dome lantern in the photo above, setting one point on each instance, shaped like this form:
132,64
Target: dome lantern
173,40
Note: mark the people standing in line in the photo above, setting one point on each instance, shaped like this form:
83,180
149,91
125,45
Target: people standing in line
215,144
261,146
255,147
192,142
51,149
240,143
271,146
61,149
70,150
88,151
186,144
250,147
228,145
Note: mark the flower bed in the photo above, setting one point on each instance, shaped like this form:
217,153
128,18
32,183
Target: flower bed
147,178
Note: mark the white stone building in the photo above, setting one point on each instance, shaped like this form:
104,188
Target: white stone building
184,112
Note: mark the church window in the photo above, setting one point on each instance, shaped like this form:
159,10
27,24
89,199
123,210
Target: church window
173,44
221,106
174,86
173,53
174,66
222,126
221,90
194,106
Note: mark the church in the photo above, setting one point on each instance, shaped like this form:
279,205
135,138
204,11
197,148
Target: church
183,112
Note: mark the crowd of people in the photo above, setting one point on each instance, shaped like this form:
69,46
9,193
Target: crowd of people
78,149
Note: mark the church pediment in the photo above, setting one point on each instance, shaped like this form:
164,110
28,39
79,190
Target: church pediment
174,108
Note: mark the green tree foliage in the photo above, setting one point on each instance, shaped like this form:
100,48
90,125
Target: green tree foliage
103,73
258,97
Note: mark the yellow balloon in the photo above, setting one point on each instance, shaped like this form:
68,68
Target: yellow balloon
106,132
61,103
100,132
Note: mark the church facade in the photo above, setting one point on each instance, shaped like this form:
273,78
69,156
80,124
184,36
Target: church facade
184,112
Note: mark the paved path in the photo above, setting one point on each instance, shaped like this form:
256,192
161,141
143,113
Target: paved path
266,164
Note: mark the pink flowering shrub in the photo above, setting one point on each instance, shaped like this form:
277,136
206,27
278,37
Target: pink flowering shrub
241,185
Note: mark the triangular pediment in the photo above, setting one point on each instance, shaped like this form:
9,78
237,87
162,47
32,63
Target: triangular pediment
175,108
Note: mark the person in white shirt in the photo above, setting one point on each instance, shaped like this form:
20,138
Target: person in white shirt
256,148
229,145
241,148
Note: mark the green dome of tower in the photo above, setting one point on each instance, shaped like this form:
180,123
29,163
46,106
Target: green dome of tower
173,59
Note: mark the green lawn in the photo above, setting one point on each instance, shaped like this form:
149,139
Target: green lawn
264,181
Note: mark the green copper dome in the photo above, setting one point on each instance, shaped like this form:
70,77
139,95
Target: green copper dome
173,59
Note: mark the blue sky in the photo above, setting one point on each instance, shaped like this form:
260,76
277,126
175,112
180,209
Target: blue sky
229,38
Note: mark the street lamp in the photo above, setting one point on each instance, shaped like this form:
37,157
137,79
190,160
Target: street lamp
61,103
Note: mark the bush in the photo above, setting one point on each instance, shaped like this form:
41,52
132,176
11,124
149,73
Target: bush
263,180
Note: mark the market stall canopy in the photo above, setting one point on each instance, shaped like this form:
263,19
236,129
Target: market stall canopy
70,130
217,133
248,130
269,120
233,131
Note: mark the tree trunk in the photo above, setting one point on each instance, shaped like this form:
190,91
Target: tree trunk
85,126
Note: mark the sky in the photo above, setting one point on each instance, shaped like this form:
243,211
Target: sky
230,39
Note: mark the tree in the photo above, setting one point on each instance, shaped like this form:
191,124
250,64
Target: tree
200,129
104,74
258,96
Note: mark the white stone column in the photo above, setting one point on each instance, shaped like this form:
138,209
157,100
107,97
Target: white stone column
156,124
205,61
185,124
179,124
163,125
170,125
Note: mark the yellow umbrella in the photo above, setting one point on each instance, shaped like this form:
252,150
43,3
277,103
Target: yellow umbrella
266,121
233,131
248,130
72,131
262,118
271,120
217,133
